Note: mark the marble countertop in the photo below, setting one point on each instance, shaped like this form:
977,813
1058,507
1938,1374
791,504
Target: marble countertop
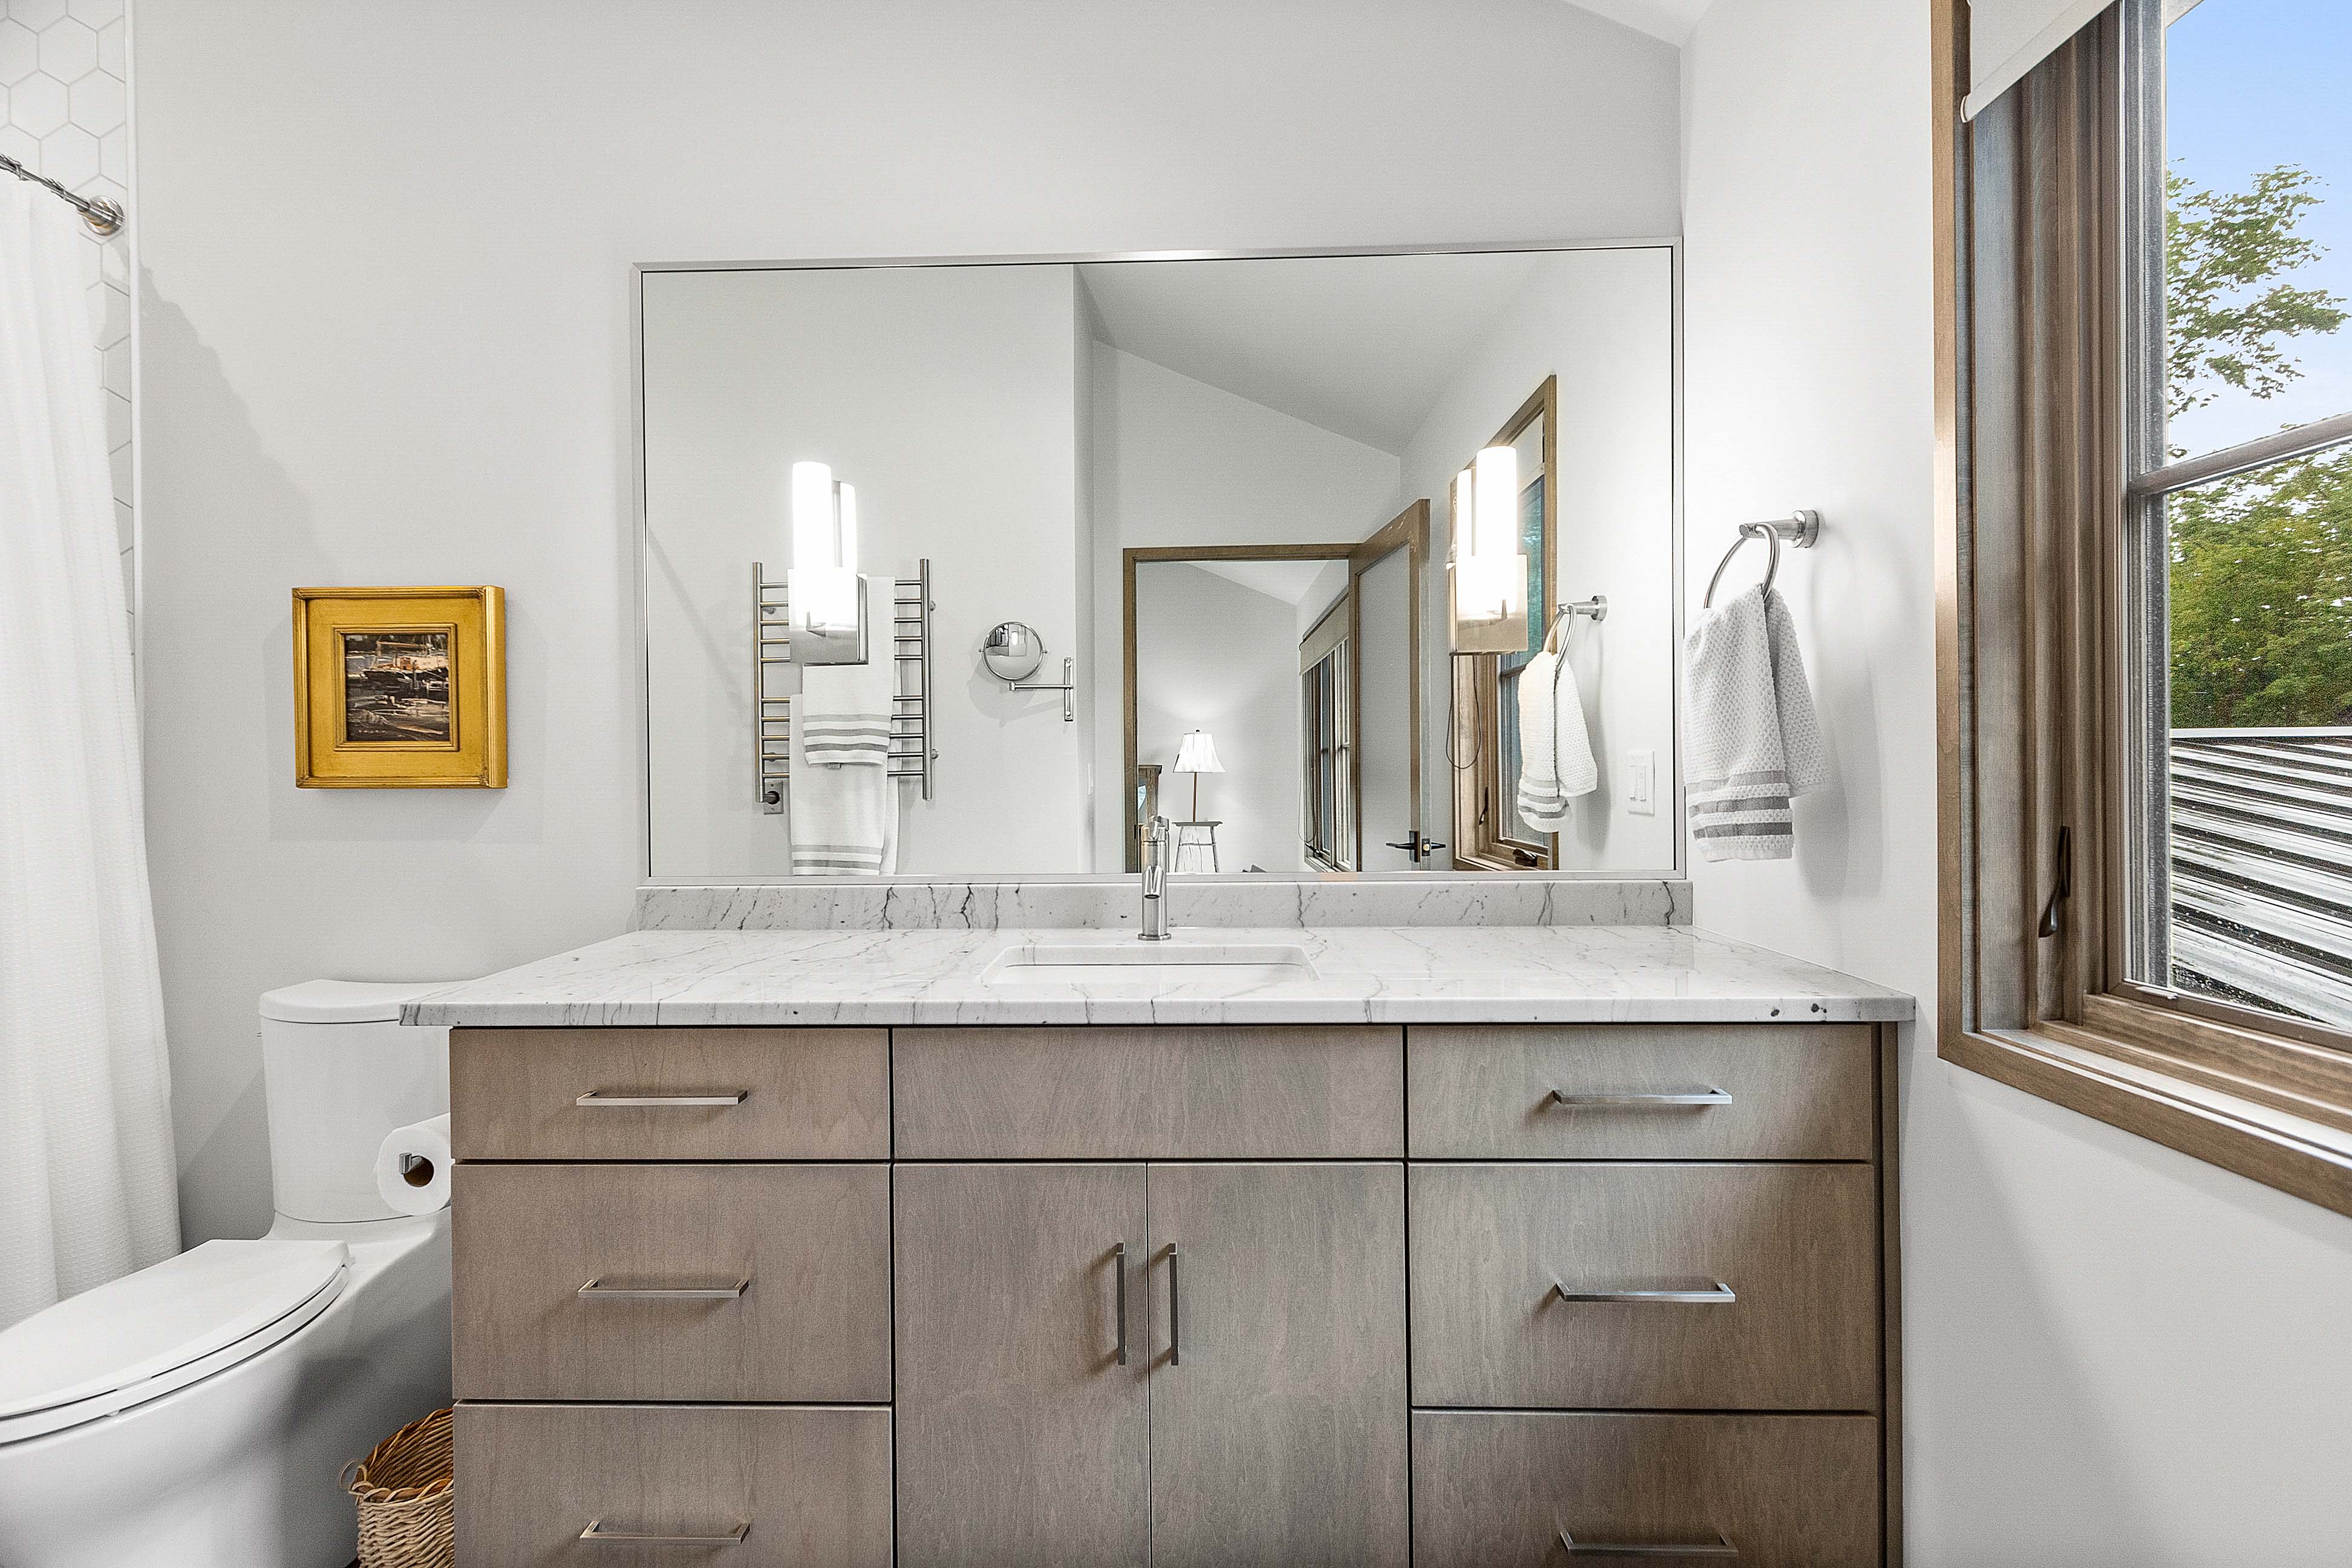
1377,974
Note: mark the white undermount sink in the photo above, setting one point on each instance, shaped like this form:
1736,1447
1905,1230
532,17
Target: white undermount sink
1141,963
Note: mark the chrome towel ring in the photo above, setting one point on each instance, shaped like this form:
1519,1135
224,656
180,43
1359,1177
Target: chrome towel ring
1801,529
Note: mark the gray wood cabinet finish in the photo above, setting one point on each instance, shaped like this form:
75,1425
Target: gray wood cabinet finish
1496,1488
1166,1092
1490,1091
1021,1439
1797,1245
812,1484
808,1094
1279,1437
814,1241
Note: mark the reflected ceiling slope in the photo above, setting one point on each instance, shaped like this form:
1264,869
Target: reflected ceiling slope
1288,581
1358,345
1669,19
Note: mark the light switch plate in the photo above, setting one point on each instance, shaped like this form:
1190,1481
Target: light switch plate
1641,782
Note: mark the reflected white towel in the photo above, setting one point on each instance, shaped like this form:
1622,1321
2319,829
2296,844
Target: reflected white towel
1555,762
845,805
1753,739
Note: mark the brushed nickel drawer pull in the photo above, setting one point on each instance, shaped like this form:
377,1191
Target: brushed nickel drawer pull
1715,1294
597,1290
1175,1323
1719,1547
1632,1098
612,1099
597,1531
1118,1270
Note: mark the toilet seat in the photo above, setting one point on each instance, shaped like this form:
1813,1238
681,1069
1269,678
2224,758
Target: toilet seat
163,1328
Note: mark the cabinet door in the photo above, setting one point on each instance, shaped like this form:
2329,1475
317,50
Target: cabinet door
1021,1438
1278,1404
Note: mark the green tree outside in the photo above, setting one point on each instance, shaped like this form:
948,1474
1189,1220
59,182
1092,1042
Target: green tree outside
2262,564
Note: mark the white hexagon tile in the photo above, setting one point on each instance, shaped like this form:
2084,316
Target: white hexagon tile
64,114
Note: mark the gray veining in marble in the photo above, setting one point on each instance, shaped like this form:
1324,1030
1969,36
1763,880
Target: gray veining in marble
1379,974
1254,904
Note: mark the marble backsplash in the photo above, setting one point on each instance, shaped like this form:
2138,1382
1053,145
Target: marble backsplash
1110,906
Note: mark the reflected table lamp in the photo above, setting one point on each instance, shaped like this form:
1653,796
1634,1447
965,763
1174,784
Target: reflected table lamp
1196,841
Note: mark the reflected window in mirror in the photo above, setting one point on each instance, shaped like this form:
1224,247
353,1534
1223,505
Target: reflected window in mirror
1488,827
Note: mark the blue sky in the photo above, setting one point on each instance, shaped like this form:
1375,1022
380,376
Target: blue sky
2251,84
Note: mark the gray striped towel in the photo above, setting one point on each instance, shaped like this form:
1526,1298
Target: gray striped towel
845,803
1753,740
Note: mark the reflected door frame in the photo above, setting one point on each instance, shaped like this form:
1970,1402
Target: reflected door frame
1408,530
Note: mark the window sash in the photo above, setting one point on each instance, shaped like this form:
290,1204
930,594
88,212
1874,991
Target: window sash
2139,938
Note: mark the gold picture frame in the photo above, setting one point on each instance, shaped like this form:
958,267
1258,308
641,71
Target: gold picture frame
399,689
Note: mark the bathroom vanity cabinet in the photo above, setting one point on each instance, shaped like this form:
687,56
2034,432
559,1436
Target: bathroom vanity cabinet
1455,1294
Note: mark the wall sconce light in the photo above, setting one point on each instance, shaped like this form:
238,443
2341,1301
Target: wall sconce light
1012,652
826,594
1488,574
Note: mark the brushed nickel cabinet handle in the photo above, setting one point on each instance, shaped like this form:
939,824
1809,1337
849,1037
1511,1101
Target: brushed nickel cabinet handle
1715,1294
1719,1547
597,1290
597,1531
1118,1270
1630,1099
613,1100
1175,1322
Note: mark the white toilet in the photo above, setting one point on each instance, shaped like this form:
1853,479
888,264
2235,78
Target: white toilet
196,1414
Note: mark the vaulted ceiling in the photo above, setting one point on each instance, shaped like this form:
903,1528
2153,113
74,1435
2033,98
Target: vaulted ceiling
1669,19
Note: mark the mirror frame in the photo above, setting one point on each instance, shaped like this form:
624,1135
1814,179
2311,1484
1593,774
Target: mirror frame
635,564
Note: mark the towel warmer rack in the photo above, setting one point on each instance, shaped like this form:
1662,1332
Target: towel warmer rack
910,751
1801,529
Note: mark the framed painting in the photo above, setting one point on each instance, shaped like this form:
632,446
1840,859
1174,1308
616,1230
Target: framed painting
399,689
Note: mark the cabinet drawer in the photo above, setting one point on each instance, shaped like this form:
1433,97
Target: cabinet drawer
1167,1091
1641,1091
813,1324
807,1094
1497,1489
1797,1246
812,1486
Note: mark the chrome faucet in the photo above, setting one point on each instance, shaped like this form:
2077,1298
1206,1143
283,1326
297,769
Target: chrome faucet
1155,882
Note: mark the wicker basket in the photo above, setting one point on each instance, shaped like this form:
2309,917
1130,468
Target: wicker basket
403,1491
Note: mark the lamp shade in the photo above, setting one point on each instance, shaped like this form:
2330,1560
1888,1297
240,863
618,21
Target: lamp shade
1198,755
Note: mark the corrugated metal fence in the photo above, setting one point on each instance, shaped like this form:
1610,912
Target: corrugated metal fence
2261,868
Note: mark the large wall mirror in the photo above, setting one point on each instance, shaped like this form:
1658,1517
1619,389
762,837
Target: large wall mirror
971,569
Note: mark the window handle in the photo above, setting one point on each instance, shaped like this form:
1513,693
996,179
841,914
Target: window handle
2058,895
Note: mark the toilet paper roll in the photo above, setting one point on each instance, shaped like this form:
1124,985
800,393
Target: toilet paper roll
411,1166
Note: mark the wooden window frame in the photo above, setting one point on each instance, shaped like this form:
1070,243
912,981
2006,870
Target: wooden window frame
2264,1097
1479,787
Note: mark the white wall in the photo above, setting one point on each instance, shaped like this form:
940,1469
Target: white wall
385,339
65,114
948,395
2113,1355
1177,461
1602,322
1220,657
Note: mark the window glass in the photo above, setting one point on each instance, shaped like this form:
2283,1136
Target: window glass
2257,618
2260,749
2258,161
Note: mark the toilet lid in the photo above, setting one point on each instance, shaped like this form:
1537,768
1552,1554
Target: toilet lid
185,1318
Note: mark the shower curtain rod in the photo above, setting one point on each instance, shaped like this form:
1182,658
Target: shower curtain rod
103,216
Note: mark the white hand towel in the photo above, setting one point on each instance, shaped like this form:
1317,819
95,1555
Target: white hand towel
1555,762
845,805
1752,737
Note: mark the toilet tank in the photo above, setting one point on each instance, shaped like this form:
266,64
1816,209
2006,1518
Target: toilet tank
341,1072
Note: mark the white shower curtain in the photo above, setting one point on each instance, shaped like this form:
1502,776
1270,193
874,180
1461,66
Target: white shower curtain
86,1187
